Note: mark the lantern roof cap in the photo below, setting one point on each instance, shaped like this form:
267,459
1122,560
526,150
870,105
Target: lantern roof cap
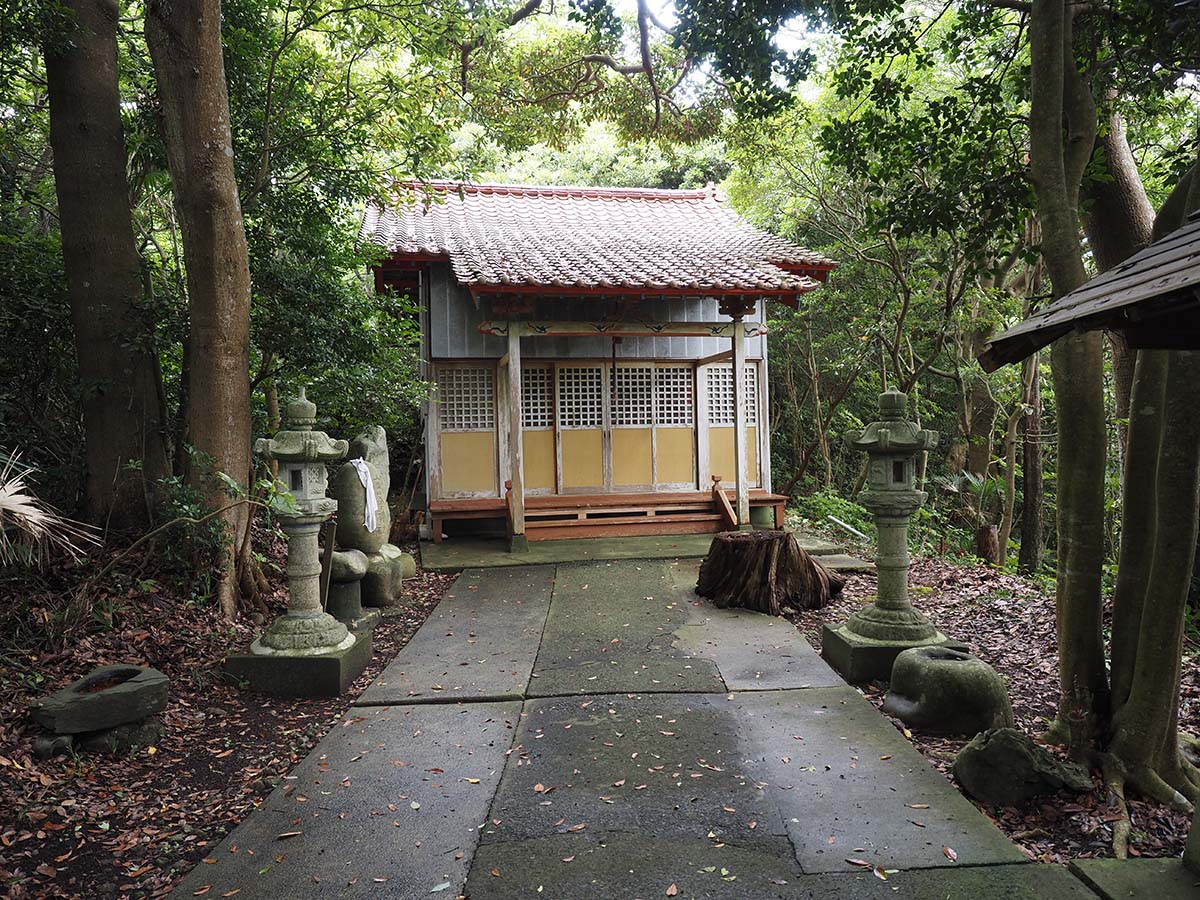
893,434
299,442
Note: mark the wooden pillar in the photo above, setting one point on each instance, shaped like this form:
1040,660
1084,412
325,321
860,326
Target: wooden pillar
742,505
517,470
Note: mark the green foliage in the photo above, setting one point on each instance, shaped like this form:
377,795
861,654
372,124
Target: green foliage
601,157
820,508
39,378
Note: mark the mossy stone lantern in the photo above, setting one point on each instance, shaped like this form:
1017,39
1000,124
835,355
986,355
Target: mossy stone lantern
865,646
306,652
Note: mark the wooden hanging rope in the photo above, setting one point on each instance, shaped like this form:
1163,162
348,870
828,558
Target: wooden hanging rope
764,571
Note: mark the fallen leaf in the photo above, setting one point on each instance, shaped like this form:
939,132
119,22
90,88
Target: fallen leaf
672,890
950,854
858,862
288,834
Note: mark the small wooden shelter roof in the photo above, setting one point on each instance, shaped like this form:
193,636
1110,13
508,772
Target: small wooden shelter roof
1153,298
580,240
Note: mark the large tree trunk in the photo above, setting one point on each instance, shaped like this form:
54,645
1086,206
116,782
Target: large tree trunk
1148,636
1059,95
184,37
122,411
1118,220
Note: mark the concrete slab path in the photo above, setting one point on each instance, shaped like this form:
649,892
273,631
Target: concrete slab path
596,730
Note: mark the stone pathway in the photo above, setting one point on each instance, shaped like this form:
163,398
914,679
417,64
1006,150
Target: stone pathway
596,731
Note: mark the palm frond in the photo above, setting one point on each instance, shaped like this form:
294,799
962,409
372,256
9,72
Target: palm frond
31,531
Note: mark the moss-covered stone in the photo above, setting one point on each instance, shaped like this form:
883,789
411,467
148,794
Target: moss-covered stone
104,698
1004,767
940,690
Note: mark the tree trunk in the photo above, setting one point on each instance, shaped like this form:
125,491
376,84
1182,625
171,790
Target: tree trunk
122,412
1119,220
1150,638
1010,483
1058,95
184,37
1032,490
764,571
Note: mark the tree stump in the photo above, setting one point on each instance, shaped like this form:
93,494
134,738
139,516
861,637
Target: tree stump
764,571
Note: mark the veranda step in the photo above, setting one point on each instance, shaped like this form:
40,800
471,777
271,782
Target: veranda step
610,512
621,520
588,528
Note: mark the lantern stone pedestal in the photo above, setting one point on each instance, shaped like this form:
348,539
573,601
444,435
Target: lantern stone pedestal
306,652
864,647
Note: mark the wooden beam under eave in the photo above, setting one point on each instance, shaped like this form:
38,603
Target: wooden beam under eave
622,329
723,356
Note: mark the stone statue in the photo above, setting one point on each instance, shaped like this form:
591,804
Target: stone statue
386,565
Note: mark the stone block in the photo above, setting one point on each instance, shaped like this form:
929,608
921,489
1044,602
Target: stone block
382,586
345,605
1191,853
321,675
122,739
348,565
861,660
352,534
104,698
1136,879
1004,767
939,690
408,565
371,445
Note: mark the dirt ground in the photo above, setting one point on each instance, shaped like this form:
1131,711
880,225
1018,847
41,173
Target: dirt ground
99,827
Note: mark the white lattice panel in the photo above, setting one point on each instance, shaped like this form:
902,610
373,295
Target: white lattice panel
751,395
537,397
633,399
673,396
720,395
580,397
466,398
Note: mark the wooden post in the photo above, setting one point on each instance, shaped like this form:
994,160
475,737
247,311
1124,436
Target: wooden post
518,542
742,504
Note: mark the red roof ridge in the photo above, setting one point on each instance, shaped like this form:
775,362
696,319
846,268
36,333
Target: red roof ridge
708,192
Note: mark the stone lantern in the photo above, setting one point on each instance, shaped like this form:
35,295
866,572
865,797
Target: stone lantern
306,652
864,647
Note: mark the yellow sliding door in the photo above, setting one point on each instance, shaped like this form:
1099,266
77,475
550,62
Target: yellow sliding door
466,408
580,405
633,426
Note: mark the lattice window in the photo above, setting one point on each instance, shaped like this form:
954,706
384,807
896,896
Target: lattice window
580,397
673,396
633,395
537,398
466,398
720,395
751,395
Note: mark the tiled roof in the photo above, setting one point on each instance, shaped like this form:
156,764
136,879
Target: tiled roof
591,239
